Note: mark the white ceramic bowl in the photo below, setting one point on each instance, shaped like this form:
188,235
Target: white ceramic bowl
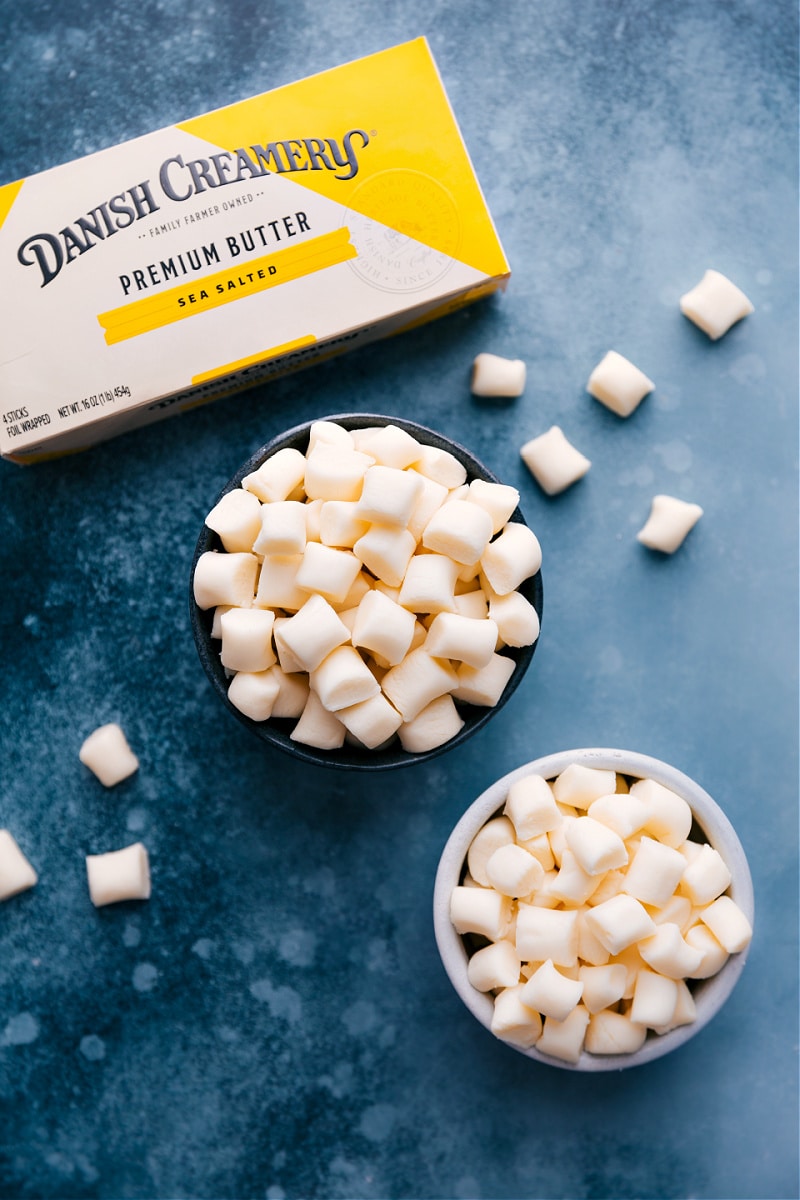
710,825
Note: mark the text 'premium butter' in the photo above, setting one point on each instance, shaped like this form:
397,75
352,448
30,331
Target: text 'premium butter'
233,248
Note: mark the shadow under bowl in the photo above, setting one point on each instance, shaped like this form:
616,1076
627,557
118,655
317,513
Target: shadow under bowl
709,825
276,731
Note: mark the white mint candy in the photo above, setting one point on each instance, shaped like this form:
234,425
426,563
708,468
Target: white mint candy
618,384
611,884
590,949
429,584
499,499
416,681
654,872
247,639
361,585
669,522
386,551
373,721
327,572
715,304
480,910
334,473
669,817
633,963
462,638
493,375
619,922
553,461
314,518
558,836
343,679
277,583
254,693
539,847
551,993
383,627
513,871
16,873
224,579
678,910
312,633
390,446
685,1010
564,1039
292,692
317,727
728,924
620,811
473,604
430,497
714,955
614,1033
668,954
340,524
441,466
511,558
331,434
547,933
278,477
494,966
388,496
119,875
596,847
460,530
516,619
531,807
654,999
436,724
483,686
580,786
107,754
602,985
512,1021
216,628
572,885
282,529
287,661
705,877
495,833
236,518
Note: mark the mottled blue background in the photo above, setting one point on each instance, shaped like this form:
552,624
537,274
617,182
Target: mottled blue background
275,1022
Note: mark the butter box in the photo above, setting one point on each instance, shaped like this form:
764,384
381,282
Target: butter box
235,247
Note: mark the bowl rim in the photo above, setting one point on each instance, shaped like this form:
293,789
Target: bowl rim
710,994
274,733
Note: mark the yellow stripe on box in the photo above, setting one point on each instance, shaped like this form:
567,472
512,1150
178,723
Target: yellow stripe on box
211,291
8,194
264,356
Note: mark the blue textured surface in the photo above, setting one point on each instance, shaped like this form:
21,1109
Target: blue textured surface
275,1021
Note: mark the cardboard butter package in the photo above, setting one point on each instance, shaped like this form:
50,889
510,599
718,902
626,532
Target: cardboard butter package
235,247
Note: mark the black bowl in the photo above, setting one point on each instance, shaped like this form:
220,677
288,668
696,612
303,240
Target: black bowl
276,731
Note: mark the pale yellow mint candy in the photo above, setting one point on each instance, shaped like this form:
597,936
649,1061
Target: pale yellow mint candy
551,993
715,304
618,384
493,375
236,518
119,875
108,756
553,461
16,873
669,522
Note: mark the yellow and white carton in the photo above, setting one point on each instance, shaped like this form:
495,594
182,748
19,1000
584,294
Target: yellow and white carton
235,247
